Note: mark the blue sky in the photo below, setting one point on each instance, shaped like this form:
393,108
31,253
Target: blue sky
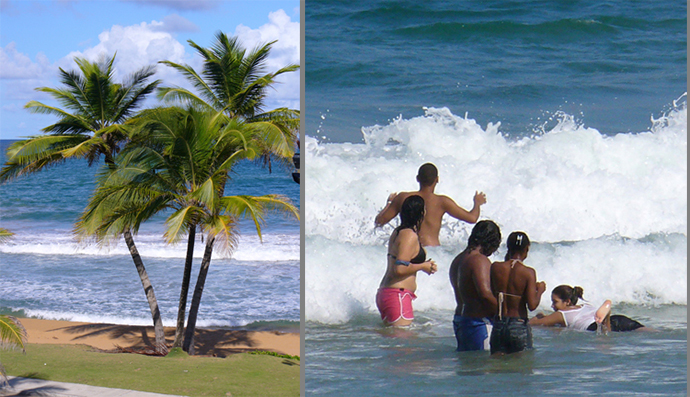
38,37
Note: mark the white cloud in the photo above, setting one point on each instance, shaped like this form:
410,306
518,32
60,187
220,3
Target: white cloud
19,77
137,46
16,65
286,51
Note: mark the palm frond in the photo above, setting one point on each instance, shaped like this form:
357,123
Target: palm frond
279,141
36,153
223,229
195,79
178,224
12,333
5,235
255,208
40,108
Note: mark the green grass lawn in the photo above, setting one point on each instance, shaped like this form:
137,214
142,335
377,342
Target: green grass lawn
236,375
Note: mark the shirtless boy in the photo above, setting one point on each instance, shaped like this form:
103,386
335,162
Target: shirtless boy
516,289
470,278
436,206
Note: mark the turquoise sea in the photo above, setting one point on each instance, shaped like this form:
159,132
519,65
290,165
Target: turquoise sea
45,272
570,116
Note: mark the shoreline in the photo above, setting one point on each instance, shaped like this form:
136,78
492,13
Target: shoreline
215,342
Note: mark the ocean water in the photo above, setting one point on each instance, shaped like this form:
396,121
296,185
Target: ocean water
45,272
572,118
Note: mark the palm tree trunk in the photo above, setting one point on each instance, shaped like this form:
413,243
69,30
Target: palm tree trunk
188,345
150,296
184,291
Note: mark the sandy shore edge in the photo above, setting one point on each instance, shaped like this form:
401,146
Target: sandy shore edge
213,342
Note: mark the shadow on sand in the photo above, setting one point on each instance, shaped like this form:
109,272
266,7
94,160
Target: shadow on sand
207,342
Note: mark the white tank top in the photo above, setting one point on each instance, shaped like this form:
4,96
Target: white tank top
579,318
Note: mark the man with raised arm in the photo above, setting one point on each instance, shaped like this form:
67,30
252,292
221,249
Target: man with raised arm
436,206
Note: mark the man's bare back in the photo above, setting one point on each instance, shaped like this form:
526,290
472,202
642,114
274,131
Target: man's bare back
469,276
436,206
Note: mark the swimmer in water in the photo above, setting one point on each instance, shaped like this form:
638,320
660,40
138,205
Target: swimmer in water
584,316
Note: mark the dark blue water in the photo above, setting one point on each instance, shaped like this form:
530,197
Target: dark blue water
612,64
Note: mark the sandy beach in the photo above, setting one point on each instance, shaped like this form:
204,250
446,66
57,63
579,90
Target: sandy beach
209,342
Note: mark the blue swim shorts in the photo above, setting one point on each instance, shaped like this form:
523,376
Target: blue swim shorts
472,333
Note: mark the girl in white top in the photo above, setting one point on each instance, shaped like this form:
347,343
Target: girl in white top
584,317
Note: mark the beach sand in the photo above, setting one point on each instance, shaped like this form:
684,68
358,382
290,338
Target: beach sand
209,342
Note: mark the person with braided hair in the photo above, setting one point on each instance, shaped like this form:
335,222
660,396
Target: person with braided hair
470,277
516,289
584,316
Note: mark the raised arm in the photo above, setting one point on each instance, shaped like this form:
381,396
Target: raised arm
457,212
392,208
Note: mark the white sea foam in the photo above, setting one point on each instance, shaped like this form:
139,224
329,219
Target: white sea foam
274,247
124,320
608,213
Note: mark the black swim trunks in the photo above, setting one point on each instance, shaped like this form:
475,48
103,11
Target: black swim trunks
510,335
619,323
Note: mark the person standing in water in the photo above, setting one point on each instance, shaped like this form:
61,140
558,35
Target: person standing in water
406,257
436,206
516,288
470,278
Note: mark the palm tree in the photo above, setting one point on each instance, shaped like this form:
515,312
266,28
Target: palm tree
12,335
179,163
94,122
234,83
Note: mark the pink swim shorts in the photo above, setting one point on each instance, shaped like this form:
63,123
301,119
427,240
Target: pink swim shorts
394,304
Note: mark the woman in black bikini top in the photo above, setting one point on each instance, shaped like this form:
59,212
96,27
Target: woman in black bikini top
420,258
406,257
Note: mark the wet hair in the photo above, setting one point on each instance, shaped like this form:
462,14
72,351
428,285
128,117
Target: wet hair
412,213
427,174
517,242
487,235
566,292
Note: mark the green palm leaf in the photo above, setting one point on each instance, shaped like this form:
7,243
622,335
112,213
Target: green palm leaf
255,208
5,235
91,121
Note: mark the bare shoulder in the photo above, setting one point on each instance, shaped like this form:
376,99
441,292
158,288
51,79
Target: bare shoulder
407,235
529,271
445,200
403,195
497,266
478,260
